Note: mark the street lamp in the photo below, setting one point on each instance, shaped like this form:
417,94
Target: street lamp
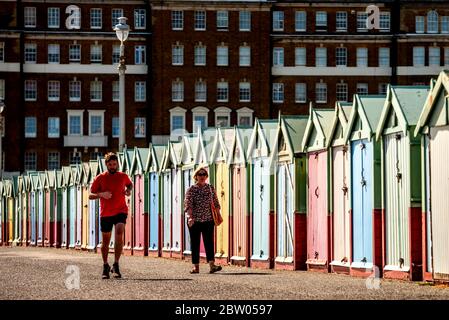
122,31
2,124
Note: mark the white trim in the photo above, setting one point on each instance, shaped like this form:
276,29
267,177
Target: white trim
421,71
79,69
177,111
200,112
245,112
96,113
334,71
222,112
75,113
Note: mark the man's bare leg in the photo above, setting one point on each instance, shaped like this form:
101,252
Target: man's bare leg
105,246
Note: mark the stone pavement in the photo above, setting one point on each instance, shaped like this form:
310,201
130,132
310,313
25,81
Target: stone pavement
47,274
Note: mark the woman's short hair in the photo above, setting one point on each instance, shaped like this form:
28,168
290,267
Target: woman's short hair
198,170
110,156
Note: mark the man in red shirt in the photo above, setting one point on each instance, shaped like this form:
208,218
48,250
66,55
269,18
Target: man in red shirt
111,187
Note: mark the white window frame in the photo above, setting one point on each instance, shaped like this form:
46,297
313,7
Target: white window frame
115,14
245,91
96,15
420,24
75,113
321,23
244,56
140,54
278,20
244,22
140,122
361,21
300,21
53,90
94,86
28,132
177,91
53,51
278,92
140,91
29,48
222,91
55,165
200,84
341,21
341,57
446,56
32,88
177,20
341,89
75,157
445,24
422,57
58,127
278,57
74,87
300,56
177,51
200,52
222,112
245,113
75,53
222,56
30,157
434,53
29,17
320,57
115,54
199,20
362,57
300,87
432,24
222,20
140,15
96,113
199,112
320,89
96,53
177,112
115,91
55,20
385,21
115,126
382,88
362,86
384,57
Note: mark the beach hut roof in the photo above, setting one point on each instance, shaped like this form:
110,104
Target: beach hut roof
340,120
368,109
318,128
406,102
264,133
439,90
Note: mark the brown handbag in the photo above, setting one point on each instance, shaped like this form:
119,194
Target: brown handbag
218,219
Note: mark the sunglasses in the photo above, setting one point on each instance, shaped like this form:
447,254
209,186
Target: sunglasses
202,174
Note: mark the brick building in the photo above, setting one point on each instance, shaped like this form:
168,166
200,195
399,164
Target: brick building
61,80
196,63
211,63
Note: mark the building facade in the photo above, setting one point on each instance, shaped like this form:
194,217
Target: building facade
194,64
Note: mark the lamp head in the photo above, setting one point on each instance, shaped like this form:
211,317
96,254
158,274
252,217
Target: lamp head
122,29
2,106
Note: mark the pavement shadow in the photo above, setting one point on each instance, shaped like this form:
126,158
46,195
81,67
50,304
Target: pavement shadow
243,273
137,279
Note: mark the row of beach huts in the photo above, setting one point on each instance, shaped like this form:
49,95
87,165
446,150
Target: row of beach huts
357,189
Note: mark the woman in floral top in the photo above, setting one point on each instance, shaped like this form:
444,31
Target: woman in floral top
197,205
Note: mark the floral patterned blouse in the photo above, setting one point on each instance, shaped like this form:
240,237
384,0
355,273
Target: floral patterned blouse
199,200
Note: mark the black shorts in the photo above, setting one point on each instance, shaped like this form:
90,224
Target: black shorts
106,223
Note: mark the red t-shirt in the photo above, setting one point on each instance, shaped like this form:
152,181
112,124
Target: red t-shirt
116,184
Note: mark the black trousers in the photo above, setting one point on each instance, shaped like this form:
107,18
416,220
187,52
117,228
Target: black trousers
207,230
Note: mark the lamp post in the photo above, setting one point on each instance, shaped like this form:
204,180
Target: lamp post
2,124
122,32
